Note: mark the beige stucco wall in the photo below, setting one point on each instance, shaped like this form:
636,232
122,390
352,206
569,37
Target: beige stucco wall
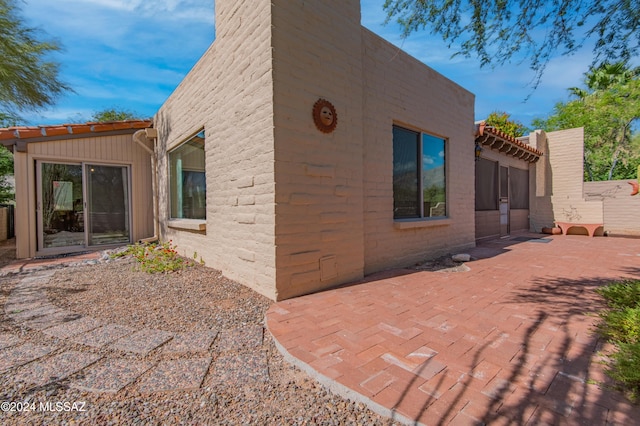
229,93
620,209
319,230
291,210
398,89
559,192
116,149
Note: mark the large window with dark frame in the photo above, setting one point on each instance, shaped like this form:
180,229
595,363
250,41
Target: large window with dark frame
486,185
419,178
188,191
518,188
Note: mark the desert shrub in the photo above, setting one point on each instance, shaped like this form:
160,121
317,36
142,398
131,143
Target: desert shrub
620,323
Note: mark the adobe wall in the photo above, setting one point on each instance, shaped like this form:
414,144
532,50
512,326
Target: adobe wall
620,209
398,89
317,54
229,93
559,176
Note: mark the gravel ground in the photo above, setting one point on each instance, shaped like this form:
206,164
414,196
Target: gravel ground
196,299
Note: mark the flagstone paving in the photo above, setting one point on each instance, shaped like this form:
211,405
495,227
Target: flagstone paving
23,354
143,341
111,375
85,367
509,341
55,368
179,374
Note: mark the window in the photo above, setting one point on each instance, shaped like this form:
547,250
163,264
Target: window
187,180
519,188
486,185
419,183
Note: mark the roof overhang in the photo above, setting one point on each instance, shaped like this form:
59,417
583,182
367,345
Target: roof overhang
17,138
494,139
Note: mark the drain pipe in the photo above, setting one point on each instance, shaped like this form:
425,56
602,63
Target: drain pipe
141,137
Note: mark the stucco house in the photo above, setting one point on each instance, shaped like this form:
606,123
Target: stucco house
303,151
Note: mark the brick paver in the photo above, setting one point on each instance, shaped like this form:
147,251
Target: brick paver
510,340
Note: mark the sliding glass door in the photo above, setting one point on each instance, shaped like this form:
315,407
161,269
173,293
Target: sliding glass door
81,205
108,205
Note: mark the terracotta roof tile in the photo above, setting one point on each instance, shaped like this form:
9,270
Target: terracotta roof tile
483,132
28,132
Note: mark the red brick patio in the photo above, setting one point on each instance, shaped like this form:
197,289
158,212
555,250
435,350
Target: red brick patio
509,342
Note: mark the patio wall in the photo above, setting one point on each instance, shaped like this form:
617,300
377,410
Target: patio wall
559,182
621,211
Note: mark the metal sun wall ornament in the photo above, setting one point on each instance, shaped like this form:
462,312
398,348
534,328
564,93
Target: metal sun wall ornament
324,116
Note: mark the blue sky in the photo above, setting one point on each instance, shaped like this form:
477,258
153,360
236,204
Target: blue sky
131,54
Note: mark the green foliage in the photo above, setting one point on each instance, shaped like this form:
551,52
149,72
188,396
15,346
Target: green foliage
27,79
608,108
622,294
502,121
154,258
6,169
6,160
8,119
620,323
498,31
626,368
114,114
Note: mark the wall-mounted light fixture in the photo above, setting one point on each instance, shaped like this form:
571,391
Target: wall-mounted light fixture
478,151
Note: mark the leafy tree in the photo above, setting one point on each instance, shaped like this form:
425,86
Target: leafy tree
114,114
503,122
6,169
6,160
28,80
608,108
497,31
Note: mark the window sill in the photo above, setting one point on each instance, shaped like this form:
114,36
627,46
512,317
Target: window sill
421,223
189,224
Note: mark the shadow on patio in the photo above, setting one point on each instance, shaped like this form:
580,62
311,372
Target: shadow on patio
511,341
